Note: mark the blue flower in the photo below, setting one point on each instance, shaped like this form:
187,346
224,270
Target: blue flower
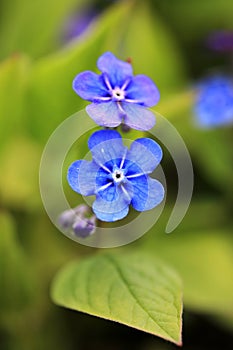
78,23
118,176
214,104
117,96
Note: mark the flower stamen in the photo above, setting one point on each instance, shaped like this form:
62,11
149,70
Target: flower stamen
123,159
137,175
125,85
107,82
118,94
102,188
118,176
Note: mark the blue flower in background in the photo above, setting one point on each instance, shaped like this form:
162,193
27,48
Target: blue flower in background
214,103
117,96
118,176
221,41
79,23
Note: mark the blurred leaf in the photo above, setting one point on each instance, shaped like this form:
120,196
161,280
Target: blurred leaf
52,98
15,281
204,260
133,289
13,79
176,106
153,49
211,151
195,18
33,26
212,215
19,185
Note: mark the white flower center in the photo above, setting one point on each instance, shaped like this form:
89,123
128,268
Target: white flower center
118,94
118,176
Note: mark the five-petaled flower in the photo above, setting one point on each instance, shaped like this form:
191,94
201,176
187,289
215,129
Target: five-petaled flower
118,176
116,95
214,104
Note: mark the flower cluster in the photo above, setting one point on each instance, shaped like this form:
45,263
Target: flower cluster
117,176
214,103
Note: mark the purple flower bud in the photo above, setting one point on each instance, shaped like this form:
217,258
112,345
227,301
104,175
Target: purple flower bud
82,209
84,227
125,128
70,216
66,218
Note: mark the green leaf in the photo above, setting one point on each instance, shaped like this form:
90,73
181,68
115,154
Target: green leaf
15,281
195,19
51,97
204,260
45,18
176,106
20,160
153,49
211,150
132,289
13,81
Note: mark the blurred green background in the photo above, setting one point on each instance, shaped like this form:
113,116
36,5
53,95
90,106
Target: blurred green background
166,41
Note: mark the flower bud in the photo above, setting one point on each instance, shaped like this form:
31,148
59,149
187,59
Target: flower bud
84,227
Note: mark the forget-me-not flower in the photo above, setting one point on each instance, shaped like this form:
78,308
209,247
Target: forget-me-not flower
118,176
214,103
116,95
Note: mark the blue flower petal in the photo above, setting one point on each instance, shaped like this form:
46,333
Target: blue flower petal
109,192
117,71
101,136
112,210
147,193
143,90
82,177
110,150
90,86
72,175
105,114
146,153
137,117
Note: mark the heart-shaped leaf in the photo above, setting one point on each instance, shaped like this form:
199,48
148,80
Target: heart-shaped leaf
133,289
